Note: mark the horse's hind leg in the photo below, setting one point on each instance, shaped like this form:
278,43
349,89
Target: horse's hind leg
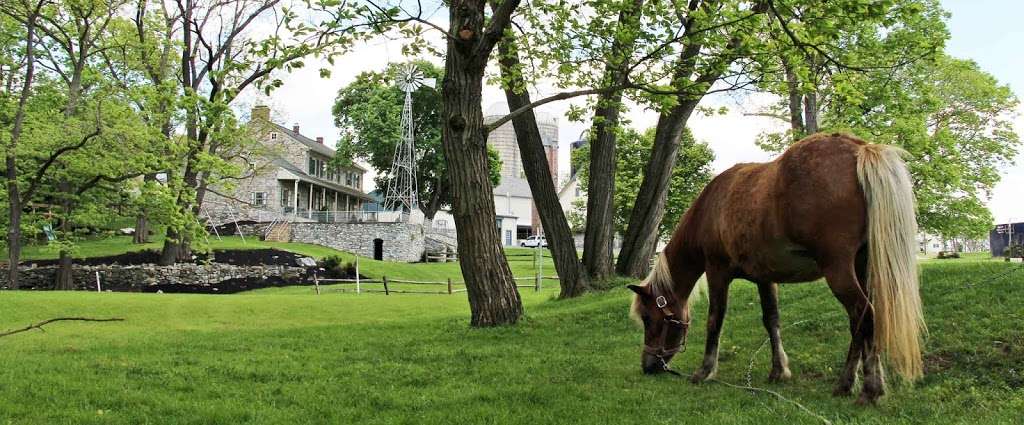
846,287
718,298
769,293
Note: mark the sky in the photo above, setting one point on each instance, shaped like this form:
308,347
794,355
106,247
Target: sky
986,31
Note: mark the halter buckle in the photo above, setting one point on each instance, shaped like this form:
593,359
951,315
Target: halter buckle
661,301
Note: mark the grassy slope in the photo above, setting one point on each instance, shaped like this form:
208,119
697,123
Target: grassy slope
343,358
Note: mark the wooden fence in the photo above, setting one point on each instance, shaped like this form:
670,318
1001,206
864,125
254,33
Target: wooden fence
537,257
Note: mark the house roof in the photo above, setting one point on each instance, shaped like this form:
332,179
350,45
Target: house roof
568,184
311,144
513,186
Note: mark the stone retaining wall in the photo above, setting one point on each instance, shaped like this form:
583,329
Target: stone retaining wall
136,277
401,241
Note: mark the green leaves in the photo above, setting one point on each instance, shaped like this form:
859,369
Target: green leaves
691,173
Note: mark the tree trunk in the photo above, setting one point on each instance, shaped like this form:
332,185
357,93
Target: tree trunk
142,221
141,229
641,238
64,281
493,298
796,120
599,234
11,158
811,112
572,276
169,252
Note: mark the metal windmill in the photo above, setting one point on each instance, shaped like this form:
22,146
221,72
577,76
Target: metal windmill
402,189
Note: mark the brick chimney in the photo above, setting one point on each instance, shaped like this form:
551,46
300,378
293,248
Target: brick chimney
260,112
320,139
295,128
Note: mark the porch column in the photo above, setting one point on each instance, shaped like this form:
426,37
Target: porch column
336,200
310,197
295,198
323,197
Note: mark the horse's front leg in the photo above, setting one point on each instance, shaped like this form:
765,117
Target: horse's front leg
769,293
718,298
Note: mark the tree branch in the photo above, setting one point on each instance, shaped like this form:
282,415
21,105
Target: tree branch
58,319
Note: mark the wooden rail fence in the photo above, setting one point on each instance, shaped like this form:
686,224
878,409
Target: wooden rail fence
537,257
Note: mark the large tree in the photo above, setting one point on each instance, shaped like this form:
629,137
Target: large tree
225,49
369,112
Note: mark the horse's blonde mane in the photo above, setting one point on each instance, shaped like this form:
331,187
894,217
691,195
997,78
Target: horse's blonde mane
660,282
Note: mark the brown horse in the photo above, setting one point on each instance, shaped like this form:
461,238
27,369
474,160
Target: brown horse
832,206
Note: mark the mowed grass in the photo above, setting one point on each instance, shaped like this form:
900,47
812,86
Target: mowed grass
281,356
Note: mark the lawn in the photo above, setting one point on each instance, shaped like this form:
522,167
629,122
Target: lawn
283,356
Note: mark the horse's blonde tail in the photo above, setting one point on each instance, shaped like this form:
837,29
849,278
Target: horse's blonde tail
892,267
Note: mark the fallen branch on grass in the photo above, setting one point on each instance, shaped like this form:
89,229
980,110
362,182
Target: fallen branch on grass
58,319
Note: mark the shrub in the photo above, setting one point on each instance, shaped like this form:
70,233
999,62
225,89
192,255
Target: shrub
1014,251
337,267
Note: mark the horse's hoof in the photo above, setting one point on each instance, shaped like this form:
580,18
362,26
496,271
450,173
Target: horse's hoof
702,375
779,376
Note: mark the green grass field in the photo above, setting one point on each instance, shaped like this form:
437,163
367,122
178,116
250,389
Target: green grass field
284,355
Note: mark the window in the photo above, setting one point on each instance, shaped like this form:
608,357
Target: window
286,197
441,224
508,237
317,167
578,191
348,179
259,199
273,136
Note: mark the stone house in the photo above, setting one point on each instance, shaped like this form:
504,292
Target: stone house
292,183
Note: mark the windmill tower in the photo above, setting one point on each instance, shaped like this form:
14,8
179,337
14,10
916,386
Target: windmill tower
402,189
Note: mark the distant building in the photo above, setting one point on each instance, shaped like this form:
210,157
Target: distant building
293,182
517,217
1004,235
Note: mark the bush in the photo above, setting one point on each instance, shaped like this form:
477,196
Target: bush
337,267
948,254
1014,251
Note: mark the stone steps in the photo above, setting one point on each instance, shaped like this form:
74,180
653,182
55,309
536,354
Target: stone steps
279,232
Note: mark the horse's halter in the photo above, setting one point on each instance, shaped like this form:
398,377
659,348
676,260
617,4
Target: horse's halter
673,336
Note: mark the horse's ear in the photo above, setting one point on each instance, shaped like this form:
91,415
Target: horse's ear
640,290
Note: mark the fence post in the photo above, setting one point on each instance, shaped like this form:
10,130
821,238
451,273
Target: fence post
449,286
537,268
386,292
99,290
316,282
357,275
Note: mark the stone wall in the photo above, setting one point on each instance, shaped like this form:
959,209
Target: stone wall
441,240
137,277
402,242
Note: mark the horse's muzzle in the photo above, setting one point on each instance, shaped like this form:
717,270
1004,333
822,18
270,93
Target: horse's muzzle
652,364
